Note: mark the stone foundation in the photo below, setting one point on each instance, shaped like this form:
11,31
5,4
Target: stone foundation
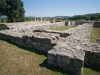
96,24
68,49
70,60
92,55
41,25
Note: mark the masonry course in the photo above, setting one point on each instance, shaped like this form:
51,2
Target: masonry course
68,49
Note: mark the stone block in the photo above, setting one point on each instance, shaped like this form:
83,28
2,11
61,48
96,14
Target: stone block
52,55
67,59
78,63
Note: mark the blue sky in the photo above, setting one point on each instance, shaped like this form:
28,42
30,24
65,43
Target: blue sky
45,8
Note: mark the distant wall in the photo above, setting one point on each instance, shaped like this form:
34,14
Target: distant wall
69,23
96,24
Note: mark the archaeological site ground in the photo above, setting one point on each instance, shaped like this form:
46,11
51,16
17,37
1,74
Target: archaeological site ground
33,48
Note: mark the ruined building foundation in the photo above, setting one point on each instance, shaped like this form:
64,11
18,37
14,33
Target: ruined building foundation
68,49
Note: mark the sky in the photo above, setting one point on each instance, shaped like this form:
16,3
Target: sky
51,8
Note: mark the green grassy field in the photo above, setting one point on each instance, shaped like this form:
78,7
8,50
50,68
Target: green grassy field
95,34
61,28
20,61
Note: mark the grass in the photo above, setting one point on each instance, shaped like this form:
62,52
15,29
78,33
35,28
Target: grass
20,61
61,28
90,71
95,34
16,60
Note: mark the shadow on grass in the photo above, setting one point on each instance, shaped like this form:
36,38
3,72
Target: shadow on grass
55,69
92,68
27,49
44,63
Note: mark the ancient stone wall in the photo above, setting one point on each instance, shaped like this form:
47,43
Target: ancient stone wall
70,54
40,40
92,54
96,24
66,49
70,23
32,25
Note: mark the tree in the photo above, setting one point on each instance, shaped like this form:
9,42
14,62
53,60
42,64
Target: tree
13,10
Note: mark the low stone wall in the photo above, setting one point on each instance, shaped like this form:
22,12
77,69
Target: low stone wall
96,24
92,55
72,50
42,44
40,40
79,22
43,25
70,23
69,59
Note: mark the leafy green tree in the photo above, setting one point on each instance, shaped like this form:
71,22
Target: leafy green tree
13,9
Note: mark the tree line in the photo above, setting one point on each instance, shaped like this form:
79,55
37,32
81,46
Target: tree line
95,16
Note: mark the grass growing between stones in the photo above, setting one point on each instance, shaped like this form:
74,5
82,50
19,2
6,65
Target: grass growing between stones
95,34
61,28
16,60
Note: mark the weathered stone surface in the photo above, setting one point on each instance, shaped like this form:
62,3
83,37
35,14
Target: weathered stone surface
67,59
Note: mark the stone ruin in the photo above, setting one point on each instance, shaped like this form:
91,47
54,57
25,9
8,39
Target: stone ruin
69,49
